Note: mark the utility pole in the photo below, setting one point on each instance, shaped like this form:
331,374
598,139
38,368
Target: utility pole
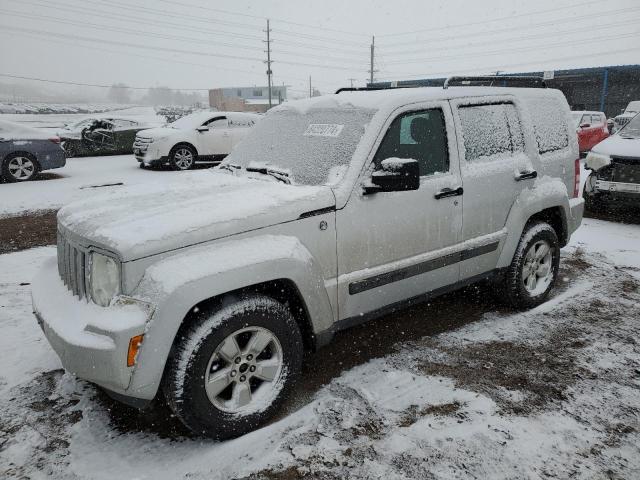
373,48
269,72
310,91
351,80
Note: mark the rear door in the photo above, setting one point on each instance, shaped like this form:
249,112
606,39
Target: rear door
239,126
495,169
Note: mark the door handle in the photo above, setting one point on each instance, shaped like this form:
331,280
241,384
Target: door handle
526,175
449,192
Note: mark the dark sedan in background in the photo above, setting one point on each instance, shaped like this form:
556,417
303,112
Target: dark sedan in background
25,151
100,136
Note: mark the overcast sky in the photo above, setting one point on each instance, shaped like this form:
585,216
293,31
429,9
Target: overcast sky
198,44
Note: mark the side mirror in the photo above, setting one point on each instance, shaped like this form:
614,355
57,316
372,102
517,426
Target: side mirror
585,125
397,174
202,129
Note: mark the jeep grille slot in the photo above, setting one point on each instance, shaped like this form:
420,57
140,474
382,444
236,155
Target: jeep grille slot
71,266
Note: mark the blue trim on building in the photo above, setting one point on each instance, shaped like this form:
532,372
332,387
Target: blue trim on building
605,88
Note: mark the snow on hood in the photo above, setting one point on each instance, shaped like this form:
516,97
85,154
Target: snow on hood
157,132
618,147
135,224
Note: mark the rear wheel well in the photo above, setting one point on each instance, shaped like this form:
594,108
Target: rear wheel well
282,290
555,217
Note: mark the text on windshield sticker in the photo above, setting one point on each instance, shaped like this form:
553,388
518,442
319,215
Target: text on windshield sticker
323,130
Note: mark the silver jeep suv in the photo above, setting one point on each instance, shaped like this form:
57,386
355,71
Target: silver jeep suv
333,210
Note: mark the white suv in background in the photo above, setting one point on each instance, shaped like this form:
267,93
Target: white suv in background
333,211
201,136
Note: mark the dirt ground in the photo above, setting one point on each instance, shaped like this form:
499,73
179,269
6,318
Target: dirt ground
33,229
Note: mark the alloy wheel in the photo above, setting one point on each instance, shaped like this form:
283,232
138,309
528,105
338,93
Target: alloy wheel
244,371
537,269
21,168
183,158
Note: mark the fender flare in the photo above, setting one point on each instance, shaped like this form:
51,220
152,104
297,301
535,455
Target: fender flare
547,193
176,284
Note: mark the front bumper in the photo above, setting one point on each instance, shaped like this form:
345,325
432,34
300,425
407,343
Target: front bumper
91,341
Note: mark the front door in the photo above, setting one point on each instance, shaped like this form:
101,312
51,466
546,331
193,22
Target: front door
393,245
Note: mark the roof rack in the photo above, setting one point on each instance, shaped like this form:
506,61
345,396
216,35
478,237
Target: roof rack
532,81
361,89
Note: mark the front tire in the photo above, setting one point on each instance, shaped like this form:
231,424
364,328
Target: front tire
19,167
233,367
182,157
534,268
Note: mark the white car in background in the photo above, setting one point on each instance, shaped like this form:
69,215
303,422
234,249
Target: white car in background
201,136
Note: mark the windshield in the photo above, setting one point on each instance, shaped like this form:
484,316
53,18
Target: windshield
576,118
633,107
190,122
631,129
313,148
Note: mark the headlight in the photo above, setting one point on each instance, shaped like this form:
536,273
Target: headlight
595,161
104,279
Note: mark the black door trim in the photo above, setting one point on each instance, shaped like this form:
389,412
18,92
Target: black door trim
419,268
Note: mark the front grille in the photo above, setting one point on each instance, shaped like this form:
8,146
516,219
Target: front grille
72,263
142,143
625,170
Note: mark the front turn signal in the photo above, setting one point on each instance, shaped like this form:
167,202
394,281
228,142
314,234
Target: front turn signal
134,346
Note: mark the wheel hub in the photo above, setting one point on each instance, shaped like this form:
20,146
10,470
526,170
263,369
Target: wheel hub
243,369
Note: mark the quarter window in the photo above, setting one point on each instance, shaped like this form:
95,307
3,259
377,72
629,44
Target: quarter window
421,136
490,131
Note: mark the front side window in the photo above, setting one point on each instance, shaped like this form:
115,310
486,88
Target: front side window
421,136
491,131
216,122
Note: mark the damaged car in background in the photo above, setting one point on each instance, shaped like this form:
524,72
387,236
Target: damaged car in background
100,136
615,170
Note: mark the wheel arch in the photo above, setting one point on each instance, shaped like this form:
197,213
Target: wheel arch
183,144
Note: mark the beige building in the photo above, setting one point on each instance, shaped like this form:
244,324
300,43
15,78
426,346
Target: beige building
246,99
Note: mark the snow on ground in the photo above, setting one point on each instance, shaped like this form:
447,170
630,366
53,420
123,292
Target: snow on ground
80,179
58,120
549,393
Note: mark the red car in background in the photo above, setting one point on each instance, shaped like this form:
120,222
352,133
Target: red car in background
592,129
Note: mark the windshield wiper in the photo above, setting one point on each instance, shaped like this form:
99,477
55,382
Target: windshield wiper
277,174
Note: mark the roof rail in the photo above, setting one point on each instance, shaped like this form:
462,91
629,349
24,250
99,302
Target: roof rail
360,89
465,80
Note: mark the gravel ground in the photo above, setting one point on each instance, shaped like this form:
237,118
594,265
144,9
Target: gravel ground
457,388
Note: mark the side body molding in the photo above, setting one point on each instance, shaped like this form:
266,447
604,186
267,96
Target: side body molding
178,283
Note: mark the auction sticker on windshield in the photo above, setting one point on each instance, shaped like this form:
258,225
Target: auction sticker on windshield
323,130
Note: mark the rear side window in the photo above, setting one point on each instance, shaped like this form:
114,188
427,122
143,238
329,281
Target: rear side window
549,124
421,136
490,131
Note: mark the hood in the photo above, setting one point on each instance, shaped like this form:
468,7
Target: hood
618,146
197,207
157,132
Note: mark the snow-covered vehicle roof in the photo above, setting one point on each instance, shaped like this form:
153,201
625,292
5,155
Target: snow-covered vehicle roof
390,99
16,131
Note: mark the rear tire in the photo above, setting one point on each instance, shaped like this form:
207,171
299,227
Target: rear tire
534,268
19,167
233,367
182,157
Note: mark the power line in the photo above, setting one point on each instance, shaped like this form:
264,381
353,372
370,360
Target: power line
228,12
554,22
504,67
98,85
528,37
493,20
517,49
